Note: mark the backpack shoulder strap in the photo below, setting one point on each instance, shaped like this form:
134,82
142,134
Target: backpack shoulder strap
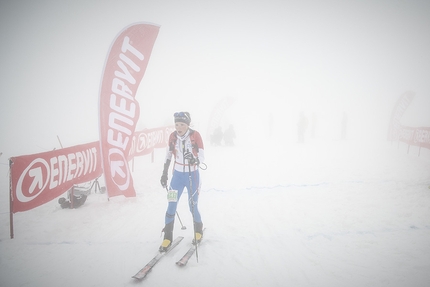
194,141
172,141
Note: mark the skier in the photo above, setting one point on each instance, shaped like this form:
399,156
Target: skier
186,145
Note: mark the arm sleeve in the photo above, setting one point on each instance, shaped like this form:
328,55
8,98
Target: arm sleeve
169,153
201,150
166,166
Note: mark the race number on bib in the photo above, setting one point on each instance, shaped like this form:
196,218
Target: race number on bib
172,195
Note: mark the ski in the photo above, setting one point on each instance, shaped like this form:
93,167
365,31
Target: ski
148,267
184,260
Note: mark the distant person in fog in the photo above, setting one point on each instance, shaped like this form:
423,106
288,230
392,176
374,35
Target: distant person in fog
216,137
229,136
302,125
344,125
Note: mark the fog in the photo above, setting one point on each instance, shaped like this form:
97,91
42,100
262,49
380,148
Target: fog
348,217
275,58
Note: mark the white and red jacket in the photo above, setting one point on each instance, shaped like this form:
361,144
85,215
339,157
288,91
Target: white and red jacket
191,141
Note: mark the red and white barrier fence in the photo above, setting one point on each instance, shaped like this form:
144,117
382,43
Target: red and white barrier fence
416,136
39,178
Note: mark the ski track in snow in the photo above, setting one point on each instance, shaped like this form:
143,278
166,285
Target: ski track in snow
312,215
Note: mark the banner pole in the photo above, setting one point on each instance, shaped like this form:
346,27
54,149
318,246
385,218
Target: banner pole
72,196
10,201
419,149
59,141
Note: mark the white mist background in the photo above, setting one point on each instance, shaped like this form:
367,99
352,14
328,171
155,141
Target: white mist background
276,59
322,57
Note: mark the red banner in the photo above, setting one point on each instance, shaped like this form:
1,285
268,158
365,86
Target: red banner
119,111
415,136
145,141
39,178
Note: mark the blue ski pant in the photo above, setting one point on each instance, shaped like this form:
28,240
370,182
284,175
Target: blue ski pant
180,181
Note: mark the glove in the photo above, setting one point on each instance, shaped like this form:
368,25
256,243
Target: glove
163,180
190,157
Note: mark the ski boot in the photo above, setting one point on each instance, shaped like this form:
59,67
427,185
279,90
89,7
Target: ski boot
168,237
198,232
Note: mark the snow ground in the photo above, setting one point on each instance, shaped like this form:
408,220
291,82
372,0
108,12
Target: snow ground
307,215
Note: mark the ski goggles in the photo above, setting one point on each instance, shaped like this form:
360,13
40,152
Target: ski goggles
182,117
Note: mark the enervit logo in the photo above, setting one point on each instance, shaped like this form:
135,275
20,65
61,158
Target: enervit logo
149,140
33,180
119,168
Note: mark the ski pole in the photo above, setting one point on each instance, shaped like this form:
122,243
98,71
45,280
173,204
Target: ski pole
192,208
183,227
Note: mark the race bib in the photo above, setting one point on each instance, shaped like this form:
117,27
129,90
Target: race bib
172,195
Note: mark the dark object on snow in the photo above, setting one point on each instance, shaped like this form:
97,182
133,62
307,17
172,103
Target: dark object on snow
76,201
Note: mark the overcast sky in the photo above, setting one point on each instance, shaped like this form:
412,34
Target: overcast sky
276,58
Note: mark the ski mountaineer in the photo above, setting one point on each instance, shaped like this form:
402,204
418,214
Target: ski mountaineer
186,145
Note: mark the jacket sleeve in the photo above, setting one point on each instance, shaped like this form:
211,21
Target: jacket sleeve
200,147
